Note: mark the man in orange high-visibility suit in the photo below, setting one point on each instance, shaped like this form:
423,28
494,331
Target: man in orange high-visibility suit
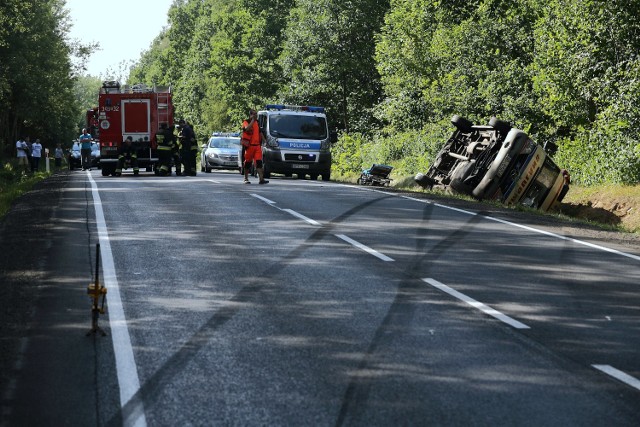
252,140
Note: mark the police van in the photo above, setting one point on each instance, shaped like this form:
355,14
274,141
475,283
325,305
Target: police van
298,141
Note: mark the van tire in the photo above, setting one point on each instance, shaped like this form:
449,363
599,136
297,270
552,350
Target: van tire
424,181
458,176
462,124
500,125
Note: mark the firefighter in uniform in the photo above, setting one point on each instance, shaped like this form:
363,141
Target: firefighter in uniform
127,153
194,150
166,142
188,148
175,152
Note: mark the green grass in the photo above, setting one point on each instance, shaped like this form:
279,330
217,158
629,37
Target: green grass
14,182
621,200
630,192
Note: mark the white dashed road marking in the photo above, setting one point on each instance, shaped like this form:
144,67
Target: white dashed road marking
367,249
619,375
473,303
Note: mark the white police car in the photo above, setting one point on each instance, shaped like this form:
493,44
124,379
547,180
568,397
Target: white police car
75,159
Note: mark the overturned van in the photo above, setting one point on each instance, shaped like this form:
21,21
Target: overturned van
497,162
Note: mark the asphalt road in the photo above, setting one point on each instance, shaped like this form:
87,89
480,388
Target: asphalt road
309,303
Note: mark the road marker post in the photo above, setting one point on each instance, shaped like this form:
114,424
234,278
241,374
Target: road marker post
95,290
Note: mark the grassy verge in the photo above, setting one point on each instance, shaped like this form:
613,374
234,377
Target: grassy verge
14,182
609,206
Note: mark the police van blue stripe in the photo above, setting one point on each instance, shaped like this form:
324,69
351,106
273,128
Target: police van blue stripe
303,145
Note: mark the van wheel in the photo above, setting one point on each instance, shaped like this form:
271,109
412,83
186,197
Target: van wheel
462,124
460,187
459,174
500,125
424,181
326,176
314,177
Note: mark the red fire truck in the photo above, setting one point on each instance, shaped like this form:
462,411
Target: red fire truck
137,111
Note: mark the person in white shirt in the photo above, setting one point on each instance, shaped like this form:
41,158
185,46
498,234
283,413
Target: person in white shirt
59,154
22,148
36,153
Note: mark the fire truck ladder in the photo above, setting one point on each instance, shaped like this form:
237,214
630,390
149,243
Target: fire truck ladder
163,108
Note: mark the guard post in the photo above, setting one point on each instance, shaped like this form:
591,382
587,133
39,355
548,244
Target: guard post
95,291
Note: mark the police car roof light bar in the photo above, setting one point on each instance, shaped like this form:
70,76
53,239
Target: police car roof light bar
309,108
225,134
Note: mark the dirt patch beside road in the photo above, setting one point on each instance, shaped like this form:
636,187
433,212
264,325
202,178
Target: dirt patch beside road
617,206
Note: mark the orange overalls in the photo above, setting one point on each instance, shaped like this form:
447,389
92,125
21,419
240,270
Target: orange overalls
252,138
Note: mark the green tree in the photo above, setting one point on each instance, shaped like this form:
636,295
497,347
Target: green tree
85,92
220,56
244,56
36,84
443,58
328,59
586,76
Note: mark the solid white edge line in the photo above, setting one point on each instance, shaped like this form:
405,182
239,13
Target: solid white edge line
125,361
480,306
557,236
364,248
619,375
526,227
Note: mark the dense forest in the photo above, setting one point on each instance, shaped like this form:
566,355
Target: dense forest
36,88
390,72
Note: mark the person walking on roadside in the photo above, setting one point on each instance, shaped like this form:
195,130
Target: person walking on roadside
58,154
27,139
22,148
85,149
252,141
36,154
